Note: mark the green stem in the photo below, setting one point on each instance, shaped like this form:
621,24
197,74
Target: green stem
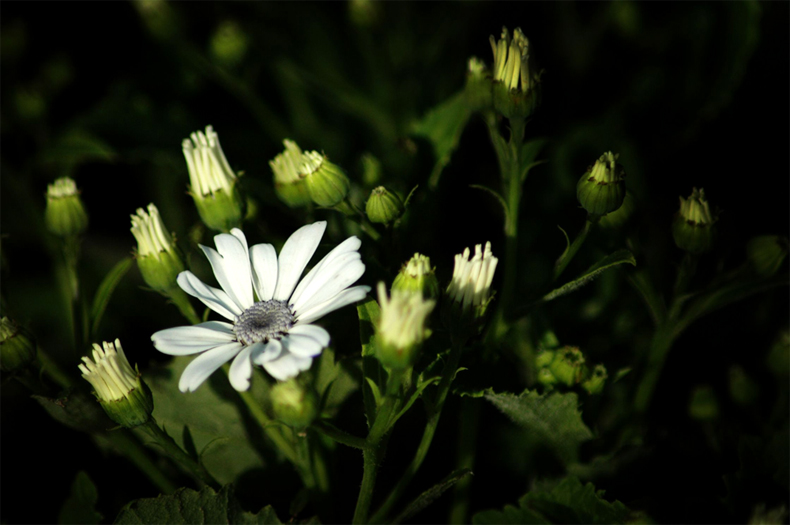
267,425
467,430
338,435
448,374
132,449
319,466
659,348
374,449
177,454
304,463
184,306
352,212
568,256
686,271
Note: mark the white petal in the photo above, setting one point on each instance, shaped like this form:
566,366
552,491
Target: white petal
205,364
302,345
351,295
350,245
241,370
336,277
231,265
312,330
264,270
287,366
263,352
214,298
294,256
186,340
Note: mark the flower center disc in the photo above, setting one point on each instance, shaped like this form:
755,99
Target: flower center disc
263,321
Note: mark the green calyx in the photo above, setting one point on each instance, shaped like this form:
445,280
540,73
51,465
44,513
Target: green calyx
220,210
601,190
418,276
160,271
17,350
326,182
132,410
693,227
65,215
383,206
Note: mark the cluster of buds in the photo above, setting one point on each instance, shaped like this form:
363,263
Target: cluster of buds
65,215
516,88
402,327
693,226
303,176
418,276
469,292
212,183
121,392
601,189
157,256
383,206
566,366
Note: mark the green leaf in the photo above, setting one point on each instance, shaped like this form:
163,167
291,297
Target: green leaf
527,155
104,292
78,410
219,434
567,502
442,127
641,281
430,495
80,506
187,506
610,261
553,419
497,196
416,395
369,313
333,382
77,147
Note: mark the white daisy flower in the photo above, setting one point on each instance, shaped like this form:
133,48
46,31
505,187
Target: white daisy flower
270,310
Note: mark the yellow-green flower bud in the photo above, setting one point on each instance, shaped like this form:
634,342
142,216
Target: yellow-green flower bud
157,256
383,206
595,383
121,392
212,183
288,183
65,214
703,405
417,276
326,182
546,378
229,43
693,227
743,389
401,328
469,292
766,254
478,85
17,350
293,403
601,189
516,90
544,358
619,217
568,365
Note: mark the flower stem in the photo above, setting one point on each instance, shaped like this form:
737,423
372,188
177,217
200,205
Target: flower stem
467,430
448,374
181,301
267,425
338,435
568,256
374,449
130,447
194,467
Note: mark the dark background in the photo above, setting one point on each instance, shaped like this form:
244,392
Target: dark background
690,94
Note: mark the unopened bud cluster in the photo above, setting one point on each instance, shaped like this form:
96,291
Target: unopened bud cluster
121,392
417,276
516,88
469,292
212,183
157,256
402,327
601,190
566,366
693,228
303,176
65,215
